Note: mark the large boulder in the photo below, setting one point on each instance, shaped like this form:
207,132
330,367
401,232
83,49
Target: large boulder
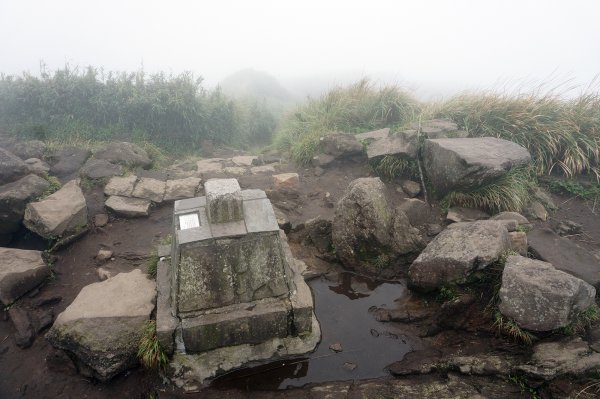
11,167
29,149
367,233
103,325
61,214
467,163
20,271
124,153
457,252
564,255
69,161
340,145
13,199
540,298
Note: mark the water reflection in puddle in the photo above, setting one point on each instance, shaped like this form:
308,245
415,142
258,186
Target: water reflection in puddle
342,307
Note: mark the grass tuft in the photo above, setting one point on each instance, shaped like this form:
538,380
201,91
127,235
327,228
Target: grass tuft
54,186
561,135
511,192
582,321
152,265
505,326
150,353
390,166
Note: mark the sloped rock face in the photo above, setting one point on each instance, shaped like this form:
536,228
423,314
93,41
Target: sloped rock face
468,163
29,149
61,214
124,153
13,199
340,145
11,167
367,233
457,252
540,298
20,271
69,161
103,325
565,255
572,357
100,168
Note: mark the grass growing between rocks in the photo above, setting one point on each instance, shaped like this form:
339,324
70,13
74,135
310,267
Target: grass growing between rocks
150,353
357,108
561,135
152,265
589,191
512,192
582,321
389,167
54,186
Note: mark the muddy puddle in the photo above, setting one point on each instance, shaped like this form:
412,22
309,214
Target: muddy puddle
344,307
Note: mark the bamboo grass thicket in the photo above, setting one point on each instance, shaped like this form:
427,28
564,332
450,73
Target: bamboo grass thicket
171,111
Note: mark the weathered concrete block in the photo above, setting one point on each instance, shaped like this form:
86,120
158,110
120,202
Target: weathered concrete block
224,200
166,322
236,325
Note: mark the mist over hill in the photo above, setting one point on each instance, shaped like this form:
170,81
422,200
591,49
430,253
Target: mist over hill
250,83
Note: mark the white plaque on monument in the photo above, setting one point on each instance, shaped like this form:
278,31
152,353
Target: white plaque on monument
188,221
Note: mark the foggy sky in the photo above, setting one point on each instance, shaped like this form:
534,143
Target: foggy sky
434,47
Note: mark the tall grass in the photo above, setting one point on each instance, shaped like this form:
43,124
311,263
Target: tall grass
561,135
172,111
353,109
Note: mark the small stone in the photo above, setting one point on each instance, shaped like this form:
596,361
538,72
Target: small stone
336,347
411,188
235,170
101,220
103,273
568,227
287,180
104,255
24,329
243,160
433,230
151,189
319,171
349,366
322,160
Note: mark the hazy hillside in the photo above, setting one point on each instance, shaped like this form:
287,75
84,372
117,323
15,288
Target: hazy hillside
249,83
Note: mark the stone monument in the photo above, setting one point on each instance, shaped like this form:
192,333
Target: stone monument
232,293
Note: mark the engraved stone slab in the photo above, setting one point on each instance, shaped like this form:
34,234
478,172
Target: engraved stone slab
224,200
190,203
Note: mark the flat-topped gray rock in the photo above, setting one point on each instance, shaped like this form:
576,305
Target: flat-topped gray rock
468,163
101,328
128,207
243,160
224,200
149,188
399,145
69,161
565,255
122,186
373,135
20,271
37,167
457,252
29,149
59,215
340,145
181,188
539,297
210,165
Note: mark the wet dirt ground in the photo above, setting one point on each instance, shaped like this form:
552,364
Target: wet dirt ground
344,304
